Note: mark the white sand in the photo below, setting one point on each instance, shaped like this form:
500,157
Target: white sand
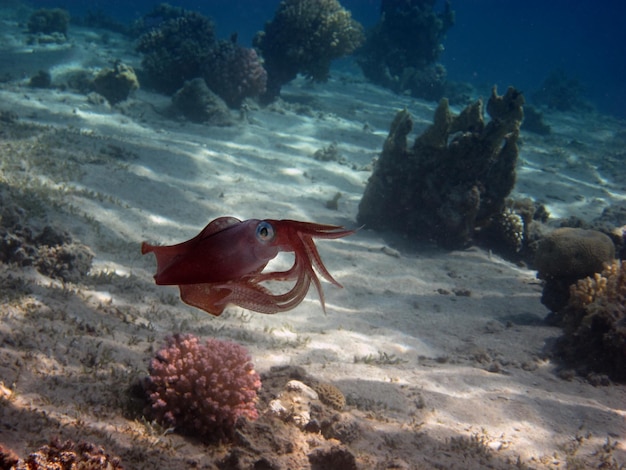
412,362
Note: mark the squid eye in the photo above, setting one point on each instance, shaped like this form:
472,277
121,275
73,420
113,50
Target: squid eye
264,231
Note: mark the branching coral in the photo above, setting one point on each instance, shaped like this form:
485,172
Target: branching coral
202,388
595,322
304,37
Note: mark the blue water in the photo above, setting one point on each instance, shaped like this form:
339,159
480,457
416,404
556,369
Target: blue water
493,41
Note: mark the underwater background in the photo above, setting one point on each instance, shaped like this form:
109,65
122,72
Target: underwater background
312,234
492,41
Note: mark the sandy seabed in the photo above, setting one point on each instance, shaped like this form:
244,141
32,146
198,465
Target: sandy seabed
442,356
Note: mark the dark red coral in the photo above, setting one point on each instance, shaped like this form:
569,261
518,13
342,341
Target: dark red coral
202,388
234,73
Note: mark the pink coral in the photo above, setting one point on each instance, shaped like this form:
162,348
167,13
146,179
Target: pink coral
202,388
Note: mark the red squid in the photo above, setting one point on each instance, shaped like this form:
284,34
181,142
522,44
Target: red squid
224,263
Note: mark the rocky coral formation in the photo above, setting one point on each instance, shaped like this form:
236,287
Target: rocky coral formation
594,321
234,73
116,83
401,50
533,121
61,455
199,104
294,404
454,178
42,79
304,37
203,388
566,255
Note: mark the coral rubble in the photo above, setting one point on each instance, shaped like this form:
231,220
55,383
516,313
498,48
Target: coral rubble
52,252
62,455
304,37
202,388
454,178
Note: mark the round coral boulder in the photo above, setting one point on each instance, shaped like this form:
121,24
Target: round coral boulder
202,388
573,253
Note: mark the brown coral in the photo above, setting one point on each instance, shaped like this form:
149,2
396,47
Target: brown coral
569,252
116,83
563,257
595,323
454,178
331,396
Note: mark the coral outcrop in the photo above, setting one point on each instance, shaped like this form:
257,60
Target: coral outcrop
182,46
304,37
42,79
202,388
574,253
176,49
566,255
533,121
49,21
561,92
116,83
454,178
594,321
199,104
234,73
401,50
